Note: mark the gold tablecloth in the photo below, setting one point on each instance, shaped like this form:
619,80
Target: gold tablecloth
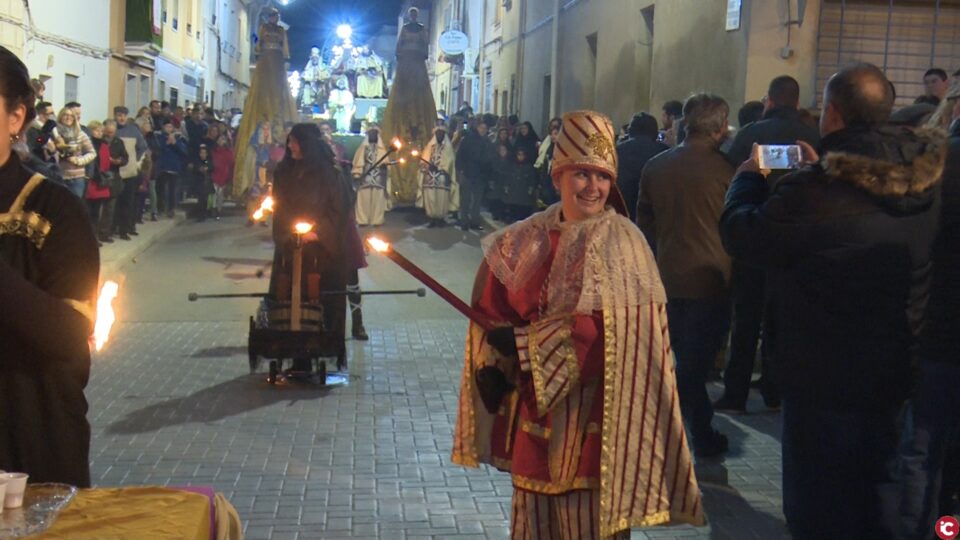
132,513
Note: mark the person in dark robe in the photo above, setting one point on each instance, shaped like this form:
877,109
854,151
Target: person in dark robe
49,267
526,138
520,197
504,168
355,255
307,188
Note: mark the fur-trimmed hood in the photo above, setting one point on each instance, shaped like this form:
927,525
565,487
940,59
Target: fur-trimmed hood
890,162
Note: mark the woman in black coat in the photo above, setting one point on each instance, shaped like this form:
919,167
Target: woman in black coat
307,187
526,139
49,267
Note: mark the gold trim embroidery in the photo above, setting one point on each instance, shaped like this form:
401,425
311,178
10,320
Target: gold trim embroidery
566,351
606,452
28,188
534,429
30,225
501,464
554,488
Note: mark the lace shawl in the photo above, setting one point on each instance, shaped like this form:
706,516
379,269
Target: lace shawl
602,253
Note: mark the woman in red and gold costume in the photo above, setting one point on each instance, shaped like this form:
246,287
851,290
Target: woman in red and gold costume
576,395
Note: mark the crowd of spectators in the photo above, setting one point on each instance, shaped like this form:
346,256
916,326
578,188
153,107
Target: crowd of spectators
132,168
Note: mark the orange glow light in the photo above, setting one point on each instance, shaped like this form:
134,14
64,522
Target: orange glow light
415,153
105,314
303,227
397,144
378,245
401,161
265,206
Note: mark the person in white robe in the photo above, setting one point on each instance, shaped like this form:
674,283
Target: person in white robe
372,179
438,178
341,106
314,79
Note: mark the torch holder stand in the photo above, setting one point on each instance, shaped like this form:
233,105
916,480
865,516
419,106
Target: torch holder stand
294,330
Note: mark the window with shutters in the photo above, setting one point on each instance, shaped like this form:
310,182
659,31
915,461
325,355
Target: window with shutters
70,85
904,38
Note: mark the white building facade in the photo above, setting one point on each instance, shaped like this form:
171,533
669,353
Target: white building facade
64,44
226,53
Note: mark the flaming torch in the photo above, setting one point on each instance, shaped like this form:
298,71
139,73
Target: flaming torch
384,248
105,314
300,228
265,206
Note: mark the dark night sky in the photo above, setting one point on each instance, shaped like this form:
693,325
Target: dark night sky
312,21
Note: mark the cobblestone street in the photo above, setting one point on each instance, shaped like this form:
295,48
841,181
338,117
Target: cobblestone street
172,402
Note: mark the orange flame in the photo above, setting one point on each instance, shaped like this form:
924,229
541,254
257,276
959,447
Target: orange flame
105,314
378,245
303,227
265,206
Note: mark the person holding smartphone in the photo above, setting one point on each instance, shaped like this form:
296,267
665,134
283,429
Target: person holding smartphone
847,241
781,124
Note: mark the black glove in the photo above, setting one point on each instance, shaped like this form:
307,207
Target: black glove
503,340
492,385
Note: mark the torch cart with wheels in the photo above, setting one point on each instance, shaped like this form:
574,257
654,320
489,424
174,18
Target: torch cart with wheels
272,337
298,330
293,326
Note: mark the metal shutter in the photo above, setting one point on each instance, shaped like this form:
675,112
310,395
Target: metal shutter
902,37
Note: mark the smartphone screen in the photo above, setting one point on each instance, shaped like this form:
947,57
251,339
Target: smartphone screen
778,156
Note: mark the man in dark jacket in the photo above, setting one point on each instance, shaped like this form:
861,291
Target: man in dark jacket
929,484
633,153
171,166
681,198
847,240
780,124
475,159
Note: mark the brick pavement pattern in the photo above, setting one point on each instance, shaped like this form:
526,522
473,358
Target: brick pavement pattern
173,403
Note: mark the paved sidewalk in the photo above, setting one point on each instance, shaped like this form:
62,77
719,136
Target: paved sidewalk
116,255
173,404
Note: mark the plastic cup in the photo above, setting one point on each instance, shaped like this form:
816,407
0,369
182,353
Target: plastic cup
16,486
3,492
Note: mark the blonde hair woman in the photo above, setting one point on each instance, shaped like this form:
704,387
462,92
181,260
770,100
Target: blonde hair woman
75,151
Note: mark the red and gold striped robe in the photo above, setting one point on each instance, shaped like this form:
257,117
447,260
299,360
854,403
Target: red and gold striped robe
595,406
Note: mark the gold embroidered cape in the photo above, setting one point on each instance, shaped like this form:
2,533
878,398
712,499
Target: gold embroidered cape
601,264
